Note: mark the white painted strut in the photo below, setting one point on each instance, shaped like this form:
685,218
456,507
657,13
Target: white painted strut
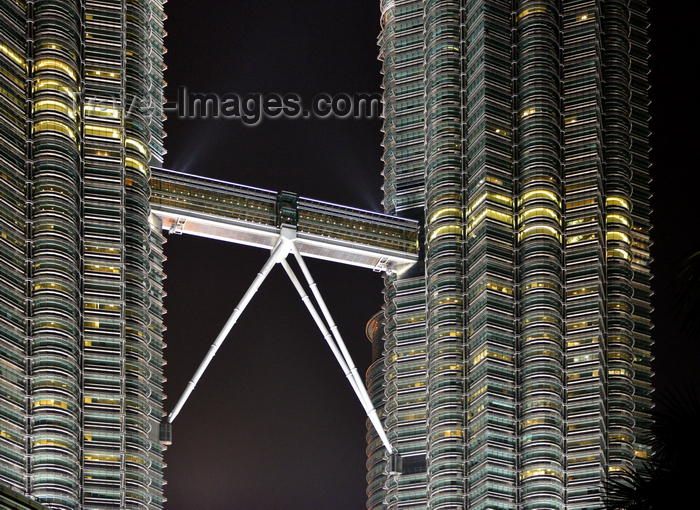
284,246
279,252
321,326
359,385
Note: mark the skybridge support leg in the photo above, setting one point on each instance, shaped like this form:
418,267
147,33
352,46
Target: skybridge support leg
348,364
321,326
279,252
284,246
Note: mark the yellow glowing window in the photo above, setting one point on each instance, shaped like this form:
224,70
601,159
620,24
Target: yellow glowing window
451,433
641,454
620,355
10,435
12,55
579,221
580,291
455,230
475,203
477,393
620,371
48,63
500,288
581,460
51,45
619,236
56,106
51,286
592,373
496,197
20,83
583,341
539,285
140,147
619,201
584,358
102,268
541,318
531,10
489,213
584,17
53,125
49,442
571,120
97,110
620,437
529,112
617,218
581,203
537,194
540,212
51,403
102,457
101,306
540,230
542,336
442,213
619,253
133,331
490,354
102,73
620,339
534,421
44,84
136,164
540,472
105,132
581,238
582,324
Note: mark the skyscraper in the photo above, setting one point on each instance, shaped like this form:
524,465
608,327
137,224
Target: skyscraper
512,363
515,370
81,296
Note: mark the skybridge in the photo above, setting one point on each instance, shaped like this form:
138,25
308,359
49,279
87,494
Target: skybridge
286,225
190,204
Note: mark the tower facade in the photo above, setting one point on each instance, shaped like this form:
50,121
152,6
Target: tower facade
515,366
81,296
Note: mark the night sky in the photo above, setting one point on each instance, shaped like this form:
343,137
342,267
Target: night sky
273,422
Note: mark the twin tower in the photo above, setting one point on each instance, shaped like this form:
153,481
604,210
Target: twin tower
512,356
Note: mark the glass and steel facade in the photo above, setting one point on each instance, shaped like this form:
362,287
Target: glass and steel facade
515,367
10,500
81,266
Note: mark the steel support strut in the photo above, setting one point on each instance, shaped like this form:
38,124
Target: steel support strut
321,325
359,385
279,252
330,333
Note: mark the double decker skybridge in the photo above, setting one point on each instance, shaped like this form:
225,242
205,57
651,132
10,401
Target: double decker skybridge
284,224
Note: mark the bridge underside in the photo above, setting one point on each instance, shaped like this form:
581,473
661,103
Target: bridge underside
189,204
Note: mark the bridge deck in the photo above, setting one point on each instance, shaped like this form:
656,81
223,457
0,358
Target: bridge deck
189,204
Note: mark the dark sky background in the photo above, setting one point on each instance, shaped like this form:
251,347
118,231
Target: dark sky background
273,422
